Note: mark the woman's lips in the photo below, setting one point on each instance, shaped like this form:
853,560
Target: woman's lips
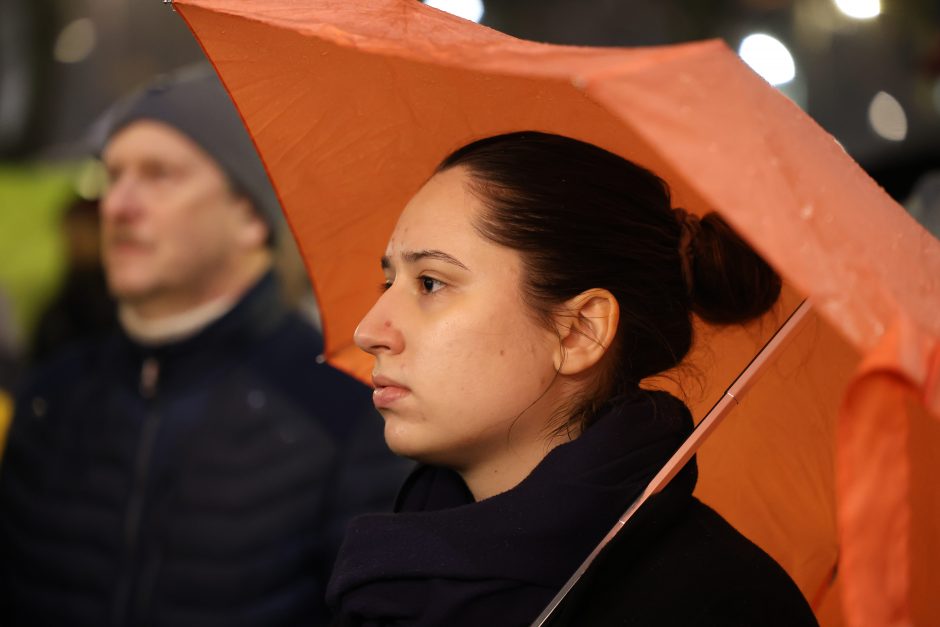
386,396
387,392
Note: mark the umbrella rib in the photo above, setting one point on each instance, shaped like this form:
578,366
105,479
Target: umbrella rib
728,401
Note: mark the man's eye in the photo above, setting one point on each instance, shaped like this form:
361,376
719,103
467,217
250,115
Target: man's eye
113,174
385,285
429,285
156,171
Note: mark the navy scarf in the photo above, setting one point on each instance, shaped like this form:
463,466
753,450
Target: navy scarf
443,559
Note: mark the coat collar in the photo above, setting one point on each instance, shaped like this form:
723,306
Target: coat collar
191,360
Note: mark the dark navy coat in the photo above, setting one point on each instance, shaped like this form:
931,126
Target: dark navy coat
444,559
202,483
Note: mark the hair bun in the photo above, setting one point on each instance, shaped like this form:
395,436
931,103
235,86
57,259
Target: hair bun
728,281
690,226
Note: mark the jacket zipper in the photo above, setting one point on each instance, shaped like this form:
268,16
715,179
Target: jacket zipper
149,378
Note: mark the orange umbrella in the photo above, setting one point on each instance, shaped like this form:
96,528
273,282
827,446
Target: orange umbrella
828,461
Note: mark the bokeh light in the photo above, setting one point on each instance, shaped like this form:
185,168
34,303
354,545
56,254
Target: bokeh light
467,9
887,117
91,179
768,57
860,9
76,41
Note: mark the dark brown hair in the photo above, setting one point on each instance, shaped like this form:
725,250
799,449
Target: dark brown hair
584,218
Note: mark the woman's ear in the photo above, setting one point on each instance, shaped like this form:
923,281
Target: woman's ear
586,328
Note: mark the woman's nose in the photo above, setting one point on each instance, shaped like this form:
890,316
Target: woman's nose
376,333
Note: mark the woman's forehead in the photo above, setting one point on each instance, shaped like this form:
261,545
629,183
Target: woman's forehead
439,216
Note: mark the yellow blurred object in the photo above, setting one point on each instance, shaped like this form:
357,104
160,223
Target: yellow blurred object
6,417
33,198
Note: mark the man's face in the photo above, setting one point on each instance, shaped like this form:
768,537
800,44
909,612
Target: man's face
173,232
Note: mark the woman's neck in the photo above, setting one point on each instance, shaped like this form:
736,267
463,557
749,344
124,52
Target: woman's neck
500,473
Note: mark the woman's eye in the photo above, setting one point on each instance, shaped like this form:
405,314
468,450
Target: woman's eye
385,285
429,285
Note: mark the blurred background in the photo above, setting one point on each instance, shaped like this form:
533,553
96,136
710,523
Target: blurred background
867,70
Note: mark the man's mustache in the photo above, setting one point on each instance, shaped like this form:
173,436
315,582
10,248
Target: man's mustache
125,237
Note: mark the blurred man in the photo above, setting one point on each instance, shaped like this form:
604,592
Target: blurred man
197,467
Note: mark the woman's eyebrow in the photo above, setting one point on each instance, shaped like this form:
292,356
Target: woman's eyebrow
413,256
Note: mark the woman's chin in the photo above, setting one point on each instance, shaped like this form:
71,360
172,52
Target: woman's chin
404,441
400,439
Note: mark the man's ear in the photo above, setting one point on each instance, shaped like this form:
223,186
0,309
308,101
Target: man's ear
253,230
586,327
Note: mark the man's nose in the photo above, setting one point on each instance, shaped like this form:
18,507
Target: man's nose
121,199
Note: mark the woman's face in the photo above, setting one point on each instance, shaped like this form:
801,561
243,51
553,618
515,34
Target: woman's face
464,373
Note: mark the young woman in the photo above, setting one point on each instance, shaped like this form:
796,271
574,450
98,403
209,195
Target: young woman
532,284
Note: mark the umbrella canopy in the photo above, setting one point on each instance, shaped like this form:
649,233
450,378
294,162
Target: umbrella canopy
352,105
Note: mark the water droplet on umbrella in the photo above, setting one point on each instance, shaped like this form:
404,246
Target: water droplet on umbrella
806,212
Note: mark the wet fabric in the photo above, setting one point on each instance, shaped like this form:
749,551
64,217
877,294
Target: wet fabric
415,83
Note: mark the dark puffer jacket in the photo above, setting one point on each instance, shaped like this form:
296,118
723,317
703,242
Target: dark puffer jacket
202,483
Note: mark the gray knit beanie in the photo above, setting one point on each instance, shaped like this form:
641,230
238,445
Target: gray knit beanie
193,101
